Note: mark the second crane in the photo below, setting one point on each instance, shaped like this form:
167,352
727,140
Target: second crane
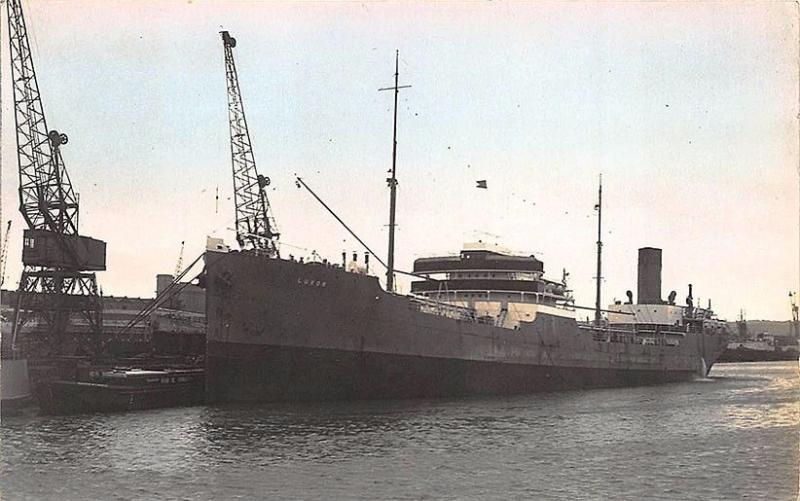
255,226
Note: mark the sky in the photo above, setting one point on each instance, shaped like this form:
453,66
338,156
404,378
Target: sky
689,111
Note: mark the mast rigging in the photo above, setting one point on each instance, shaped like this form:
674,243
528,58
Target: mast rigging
392,181
597,315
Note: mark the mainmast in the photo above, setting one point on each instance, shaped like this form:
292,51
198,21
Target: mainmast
599,207
392,181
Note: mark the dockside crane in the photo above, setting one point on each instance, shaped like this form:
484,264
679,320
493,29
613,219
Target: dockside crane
58,279
4,254
179,266
255,225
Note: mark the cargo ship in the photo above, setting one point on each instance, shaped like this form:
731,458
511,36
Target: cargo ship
480,322
282,330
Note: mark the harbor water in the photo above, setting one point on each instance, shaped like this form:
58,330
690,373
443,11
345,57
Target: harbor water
734,435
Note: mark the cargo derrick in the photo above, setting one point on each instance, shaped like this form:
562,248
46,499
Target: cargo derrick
255,226
57,280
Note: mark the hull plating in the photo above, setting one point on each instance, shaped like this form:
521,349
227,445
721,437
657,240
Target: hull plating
243,372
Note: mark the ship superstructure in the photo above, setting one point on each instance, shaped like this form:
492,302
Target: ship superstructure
497,286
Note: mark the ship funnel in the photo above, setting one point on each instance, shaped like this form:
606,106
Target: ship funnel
649,280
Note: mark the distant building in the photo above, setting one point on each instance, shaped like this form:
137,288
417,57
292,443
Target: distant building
176,327
190,298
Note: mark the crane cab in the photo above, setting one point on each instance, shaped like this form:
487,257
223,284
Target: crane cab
54,250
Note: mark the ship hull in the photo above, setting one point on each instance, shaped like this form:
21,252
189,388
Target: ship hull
246,372
280,331
15,391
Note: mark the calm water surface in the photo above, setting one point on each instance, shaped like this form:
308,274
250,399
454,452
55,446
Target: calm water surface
732,436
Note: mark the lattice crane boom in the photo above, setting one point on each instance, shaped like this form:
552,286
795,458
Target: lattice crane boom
4,254
47,199
255,224
179,266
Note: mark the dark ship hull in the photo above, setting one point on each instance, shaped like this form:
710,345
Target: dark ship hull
280,330
734,355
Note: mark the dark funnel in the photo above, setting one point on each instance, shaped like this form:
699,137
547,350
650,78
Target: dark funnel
649,286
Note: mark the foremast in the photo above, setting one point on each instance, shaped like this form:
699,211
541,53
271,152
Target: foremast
392,181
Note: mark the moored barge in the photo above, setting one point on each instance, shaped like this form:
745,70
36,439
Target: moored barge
119,390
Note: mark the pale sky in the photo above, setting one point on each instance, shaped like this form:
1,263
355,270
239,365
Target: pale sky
689,110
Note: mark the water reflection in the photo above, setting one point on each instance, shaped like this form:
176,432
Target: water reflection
695,440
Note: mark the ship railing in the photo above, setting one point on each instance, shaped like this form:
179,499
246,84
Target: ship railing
564,302
648,329
607,334
699,314
630,335
658,331
425,305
